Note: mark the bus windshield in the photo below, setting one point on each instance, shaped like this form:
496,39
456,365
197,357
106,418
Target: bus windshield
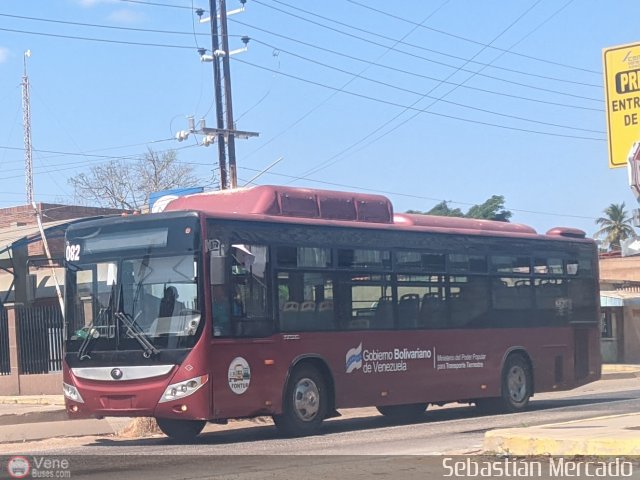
126,304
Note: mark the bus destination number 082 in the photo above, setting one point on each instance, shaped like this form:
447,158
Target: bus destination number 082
72,253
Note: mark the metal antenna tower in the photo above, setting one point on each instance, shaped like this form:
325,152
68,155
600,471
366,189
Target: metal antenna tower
26,127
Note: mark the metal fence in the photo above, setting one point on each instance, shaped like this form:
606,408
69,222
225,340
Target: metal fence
5,360
40,339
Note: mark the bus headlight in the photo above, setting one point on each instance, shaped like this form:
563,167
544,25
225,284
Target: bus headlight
72,393
176,391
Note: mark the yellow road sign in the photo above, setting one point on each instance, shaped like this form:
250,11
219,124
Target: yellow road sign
622,95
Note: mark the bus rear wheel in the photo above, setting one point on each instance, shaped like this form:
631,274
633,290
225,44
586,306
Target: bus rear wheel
516,388
403,413
181,430
305,403
516,383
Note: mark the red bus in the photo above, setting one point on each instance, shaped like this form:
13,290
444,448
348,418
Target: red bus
295,303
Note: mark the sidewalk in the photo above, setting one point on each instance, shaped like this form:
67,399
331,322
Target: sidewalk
617,435
609,435
30,418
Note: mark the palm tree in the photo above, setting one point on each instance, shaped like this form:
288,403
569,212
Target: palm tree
615,226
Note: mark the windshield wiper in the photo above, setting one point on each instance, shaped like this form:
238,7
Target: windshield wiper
136,332
92,334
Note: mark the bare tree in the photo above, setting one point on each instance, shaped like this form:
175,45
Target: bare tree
120,184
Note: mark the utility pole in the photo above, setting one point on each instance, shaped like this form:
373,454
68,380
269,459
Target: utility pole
224,133
217,87
26,128
231,144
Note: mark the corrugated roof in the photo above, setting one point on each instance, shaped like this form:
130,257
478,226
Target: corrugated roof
618,298
11,235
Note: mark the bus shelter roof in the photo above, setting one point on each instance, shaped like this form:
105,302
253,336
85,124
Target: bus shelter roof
11,237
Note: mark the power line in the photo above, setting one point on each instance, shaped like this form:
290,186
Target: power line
186,47
466,39
156,4
91,39
334,93
427,95
110,27
336,157
58,152
420,47
74,165
407,72
394,104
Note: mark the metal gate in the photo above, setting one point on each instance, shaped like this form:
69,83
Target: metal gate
40,339
5,359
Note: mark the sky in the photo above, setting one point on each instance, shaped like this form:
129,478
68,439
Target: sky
454,100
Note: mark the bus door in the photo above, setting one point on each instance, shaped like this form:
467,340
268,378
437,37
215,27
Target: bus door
242,356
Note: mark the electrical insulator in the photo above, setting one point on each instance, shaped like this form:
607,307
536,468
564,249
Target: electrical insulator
208,140
182,135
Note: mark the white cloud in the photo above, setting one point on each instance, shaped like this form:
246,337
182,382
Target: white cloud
4,54
125,15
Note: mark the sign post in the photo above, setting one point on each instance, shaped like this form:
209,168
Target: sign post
622,96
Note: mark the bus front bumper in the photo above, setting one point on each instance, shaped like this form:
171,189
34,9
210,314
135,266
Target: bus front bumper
161,396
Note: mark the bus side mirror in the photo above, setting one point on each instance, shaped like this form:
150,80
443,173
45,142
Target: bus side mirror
217,269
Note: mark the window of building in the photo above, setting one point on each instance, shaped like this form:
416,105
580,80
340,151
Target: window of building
606,323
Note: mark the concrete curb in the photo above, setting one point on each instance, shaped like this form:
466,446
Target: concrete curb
615,371
33,400
593,436
619,375
44,430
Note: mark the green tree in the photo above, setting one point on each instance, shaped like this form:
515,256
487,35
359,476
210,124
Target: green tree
492,209
615,226
442,209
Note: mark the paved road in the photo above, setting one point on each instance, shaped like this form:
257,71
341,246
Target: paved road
442,430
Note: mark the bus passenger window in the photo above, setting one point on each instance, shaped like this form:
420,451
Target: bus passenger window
249,291
366,302
305,301
469,301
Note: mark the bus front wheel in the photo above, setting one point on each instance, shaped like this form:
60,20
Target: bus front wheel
403,413
181,430
305,403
